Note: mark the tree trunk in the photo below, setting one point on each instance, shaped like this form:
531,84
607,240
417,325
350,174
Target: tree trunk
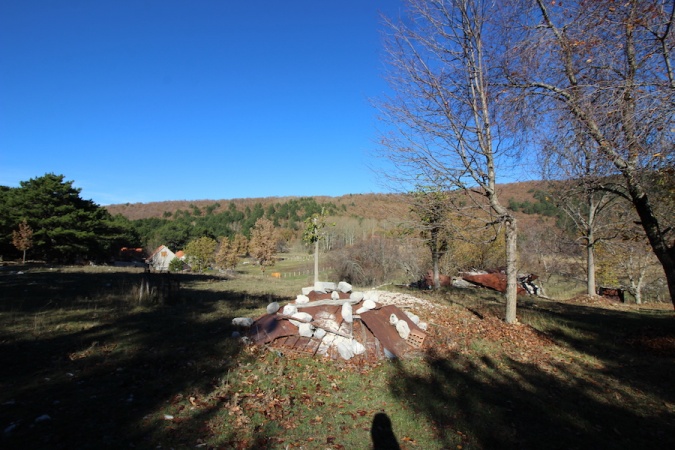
590,270
668,263
590,241
590,265
316,261
437,277
511,236
664,253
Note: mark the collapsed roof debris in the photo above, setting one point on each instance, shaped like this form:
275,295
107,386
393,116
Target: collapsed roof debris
334,322
497,280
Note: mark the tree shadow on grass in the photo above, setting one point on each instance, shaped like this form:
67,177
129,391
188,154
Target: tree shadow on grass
99,373
607,394
635,348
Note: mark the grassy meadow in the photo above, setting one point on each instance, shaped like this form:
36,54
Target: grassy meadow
89,362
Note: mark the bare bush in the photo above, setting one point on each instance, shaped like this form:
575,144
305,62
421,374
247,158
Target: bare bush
369,262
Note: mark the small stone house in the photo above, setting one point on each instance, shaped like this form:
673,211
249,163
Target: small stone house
160,259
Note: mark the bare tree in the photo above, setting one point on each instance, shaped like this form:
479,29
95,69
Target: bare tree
636,264
584,192
445,109
430,206
604,68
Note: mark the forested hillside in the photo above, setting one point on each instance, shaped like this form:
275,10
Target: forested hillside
371,206
368,239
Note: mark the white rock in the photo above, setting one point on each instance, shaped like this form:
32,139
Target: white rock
345,350
324,286
318,287
393,319
358,296
369,304
273,308
335,295
301,299
306,330
403,329
242,322
347,314
307,290
301,317
358,348
319,333
289,310
413,317
345,287
423,326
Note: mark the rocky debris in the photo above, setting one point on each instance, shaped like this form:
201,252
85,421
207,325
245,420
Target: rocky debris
497,281
403,300
612,293
492,279
462,283
337,323
443,279
527,282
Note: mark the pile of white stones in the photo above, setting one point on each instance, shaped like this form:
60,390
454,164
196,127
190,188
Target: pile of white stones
324,326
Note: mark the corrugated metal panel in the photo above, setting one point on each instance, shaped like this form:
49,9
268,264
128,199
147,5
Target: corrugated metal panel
377,320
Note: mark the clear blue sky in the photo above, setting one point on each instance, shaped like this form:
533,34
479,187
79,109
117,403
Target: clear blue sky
140,101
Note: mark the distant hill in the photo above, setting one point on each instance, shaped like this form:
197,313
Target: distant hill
371,206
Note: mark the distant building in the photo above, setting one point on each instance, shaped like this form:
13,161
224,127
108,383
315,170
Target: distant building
160,259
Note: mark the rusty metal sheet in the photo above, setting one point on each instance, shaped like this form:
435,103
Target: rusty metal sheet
377,320
268,328
496,281
327,317
326,296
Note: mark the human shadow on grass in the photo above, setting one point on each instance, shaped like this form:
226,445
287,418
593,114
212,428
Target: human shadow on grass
112,377
503,403
382,433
